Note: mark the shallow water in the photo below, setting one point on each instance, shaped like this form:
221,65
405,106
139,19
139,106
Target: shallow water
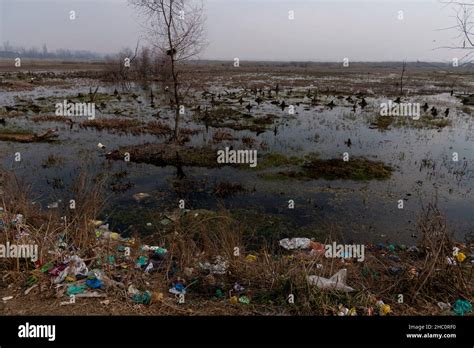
363,211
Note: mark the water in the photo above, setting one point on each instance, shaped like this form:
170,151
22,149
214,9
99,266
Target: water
363,211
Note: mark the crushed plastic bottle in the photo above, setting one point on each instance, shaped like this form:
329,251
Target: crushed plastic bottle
75,289
295,243
462,307
244,300
142,297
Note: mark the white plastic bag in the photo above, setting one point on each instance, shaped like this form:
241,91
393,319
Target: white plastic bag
336,282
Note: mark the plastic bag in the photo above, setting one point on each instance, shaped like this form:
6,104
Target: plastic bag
336,282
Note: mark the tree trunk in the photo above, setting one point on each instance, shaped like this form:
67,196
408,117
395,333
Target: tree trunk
176,100
174,74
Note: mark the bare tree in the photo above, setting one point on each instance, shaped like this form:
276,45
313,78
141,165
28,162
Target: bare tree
176,29
145,63
464,16
404,66
118,71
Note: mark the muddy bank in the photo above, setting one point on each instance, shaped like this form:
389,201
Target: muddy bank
27,137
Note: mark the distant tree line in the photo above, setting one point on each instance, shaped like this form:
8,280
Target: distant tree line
10,51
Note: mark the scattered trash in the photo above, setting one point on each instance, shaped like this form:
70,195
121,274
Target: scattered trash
156,249
141,196
384,309
132,290
75,289
336,282
451,261
244,300
101,146
73,277
238,288
460,257
111,235
103,232
219,293
159,251
178,289
344,311
295,243
18,219
22,234
142,261
317,248
75,266
53,205
251,258
55,271
97,223
165,221
46,267
443,306
72,300
219,267
462,307
94,283
32,280
27,291
352,312
142,297
157,297
413,272
149,267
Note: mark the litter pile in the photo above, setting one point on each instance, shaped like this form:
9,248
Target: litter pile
119,268
400,262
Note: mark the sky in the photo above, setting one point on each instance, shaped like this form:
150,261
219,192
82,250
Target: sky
322,30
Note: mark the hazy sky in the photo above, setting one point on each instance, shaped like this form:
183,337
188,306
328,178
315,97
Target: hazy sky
322,30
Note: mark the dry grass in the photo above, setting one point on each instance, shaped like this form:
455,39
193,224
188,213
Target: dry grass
135,127
268,273
221,135
51,118
119,125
